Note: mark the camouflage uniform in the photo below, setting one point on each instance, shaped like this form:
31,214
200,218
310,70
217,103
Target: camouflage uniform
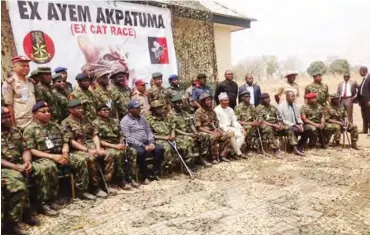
104,97
45,93
109,131
159,93
208,118
83,132
88,101
340,114
46,171
163,126
120,97
246,113
321,90
271,114
16,191
62,100
176,91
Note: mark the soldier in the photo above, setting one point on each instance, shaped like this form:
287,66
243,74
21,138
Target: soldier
336,115
187,136
200,89
247,116
82,135
313,116
120,92
273,126
61,96
290,85
321,89
157,92
112,140
139,94
163,129
101,93
189,104
175,89
43,138
85,96
34,77
16,165
63,72
206,123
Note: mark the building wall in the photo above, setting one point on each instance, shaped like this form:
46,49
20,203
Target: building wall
223,49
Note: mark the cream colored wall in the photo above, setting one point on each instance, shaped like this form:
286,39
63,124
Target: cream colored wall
223,48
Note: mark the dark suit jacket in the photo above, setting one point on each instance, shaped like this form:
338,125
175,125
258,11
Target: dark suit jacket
257,93
231,88
353,86
365,96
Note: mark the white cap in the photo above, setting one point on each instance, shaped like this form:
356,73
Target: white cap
222,96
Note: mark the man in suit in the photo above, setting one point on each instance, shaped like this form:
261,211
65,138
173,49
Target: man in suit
228,86
347,91
253,89
364,98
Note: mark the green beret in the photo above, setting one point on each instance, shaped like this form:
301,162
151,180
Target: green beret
334,96
73,103
34,73
57,76
44,70
156,103
176,98
157,75
101,106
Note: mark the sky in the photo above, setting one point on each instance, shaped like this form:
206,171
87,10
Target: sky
307,29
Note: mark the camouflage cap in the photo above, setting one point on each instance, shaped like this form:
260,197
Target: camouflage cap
156,103
101,106
176,98
34,73
204,95
74,103
44,70
244,92
334,96
157,75
57,76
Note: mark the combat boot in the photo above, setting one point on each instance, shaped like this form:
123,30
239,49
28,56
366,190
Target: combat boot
354,145
100,193
336,143
87,196
30,219
297,152
146,181
124,185
46,210
277,153
55,206
134,184
15,228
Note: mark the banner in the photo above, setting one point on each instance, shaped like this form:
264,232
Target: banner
95,35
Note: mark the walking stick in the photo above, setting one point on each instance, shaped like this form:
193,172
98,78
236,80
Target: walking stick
260,140
174,146
103,178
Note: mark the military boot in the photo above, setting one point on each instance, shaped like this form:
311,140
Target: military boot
46,210
134,184
297,151
30,219
87,196
277,153
15,228
124,185
100,193
354,145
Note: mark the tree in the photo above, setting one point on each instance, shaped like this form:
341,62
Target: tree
272,65
252,66
316,67
339,66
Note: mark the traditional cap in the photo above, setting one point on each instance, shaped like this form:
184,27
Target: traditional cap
44,69
244,92
39,105
173,77
60,70
74,103
56,76
201,75
156,103
133,104
290,73
101,106
176,98
16,59
140,82
223,95
82,76
34,73
4,110
265,95
311,95
334,96
157,75
204,95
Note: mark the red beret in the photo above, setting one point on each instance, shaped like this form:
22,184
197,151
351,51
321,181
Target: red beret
20,59
139,82
311,95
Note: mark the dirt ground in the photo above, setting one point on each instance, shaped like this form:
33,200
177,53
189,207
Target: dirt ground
325,193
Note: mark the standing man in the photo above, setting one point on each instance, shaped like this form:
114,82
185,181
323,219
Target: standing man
120,92
291,116
34,77
253,89
158,92
290,85
63,72
364,98
61,96
139,94
101,93
139,136
320,89
175,89
228,86
347,91
200,89
19,93
189,103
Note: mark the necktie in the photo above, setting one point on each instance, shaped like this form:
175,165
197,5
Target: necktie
294,114
345,90
362,85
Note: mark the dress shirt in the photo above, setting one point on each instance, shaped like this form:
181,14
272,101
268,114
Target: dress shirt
346,87
136,130
251,91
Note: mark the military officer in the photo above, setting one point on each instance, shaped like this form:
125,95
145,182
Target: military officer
61,96
112,140
120,92
336,116
16,165
139,94
82,136
85,96
321,89
201,88
206,123
34,77
101,93
158,92
63,72
313,116
175,89
272,126
247,116
187,136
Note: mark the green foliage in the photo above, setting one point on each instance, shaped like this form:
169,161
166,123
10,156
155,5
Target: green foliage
317,67
339,66
271,64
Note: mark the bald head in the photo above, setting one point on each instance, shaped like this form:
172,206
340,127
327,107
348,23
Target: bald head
229,75
363,71
290,96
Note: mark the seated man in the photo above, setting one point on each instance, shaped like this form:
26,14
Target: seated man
336,115
112,140
246,114
186,135
290,114
139,136
207,124
16,165
228,123
273,126
313,117
83,138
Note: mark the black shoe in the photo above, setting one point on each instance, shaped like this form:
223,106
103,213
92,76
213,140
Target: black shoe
46,210
30,219
134,184
297,152
15,229
55,206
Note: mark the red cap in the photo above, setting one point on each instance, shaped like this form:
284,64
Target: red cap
140,82
311,95
20,59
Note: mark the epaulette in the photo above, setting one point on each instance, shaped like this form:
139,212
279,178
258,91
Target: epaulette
9,79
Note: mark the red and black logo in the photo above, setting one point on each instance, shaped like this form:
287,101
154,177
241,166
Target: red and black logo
39,47
158,50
